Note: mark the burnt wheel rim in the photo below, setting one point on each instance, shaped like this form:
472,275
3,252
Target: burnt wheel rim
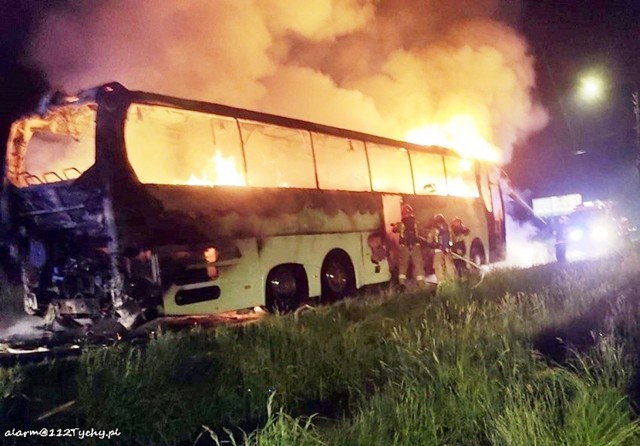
336,277
284,290
284,284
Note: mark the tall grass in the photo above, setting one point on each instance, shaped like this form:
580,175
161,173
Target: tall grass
472,382
457,368
11,382
279,429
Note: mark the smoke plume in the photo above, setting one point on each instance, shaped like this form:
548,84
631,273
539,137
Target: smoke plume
381,66
525,246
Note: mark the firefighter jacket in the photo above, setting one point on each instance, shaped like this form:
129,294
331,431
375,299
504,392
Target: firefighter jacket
438,237
458,232
560,232
407,228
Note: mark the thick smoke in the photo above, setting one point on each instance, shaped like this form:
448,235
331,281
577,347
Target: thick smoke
379,66
525,246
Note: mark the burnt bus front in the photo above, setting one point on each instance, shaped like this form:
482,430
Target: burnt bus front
58,213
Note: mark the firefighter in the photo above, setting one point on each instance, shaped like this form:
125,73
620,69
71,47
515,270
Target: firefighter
409,250
439,242
560,233
458,245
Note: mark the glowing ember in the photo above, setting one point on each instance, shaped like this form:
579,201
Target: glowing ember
460,133
221,171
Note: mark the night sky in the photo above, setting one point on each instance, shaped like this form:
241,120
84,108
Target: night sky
21,83
585,148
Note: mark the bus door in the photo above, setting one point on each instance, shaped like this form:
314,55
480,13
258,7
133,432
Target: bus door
391,213
498,249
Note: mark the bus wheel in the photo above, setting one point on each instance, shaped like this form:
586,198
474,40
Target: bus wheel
286,288
337,276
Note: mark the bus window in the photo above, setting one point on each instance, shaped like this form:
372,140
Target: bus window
277,156
341,163
172,146
58,147
390,169
461,177
428,173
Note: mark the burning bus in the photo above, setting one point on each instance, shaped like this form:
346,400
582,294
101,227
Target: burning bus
116,202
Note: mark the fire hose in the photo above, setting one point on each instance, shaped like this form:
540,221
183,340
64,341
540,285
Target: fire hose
470,262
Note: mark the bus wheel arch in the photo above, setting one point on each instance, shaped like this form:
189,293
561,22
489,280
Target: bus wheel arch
337,276
286,287
477,253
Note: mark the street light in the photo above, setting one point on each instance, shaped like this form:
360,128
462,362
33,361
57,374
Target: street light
591,88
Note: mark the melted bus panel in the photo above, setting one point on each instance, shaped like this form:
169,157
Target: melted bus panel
55,147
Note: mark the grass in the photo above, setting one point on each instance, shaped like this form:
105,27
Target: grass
545,356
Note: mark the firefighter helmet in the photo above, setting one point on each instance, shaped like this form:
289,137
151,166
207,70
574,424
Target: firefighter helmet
456,221
439,218
406,211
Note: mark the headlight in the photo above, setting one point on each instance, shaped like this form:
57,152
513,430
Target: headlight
575,234
600,233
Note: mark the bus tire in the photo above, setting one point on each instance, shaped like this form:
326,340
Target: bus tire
337,277
477,253
286,288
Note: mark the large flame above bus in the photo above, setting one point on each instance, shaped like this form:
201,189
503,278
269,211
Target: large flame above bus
320,61
459,133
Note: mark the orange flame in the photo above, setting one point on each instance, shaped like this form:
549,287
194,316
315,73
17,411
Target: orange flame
457,186
221,171
461,134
